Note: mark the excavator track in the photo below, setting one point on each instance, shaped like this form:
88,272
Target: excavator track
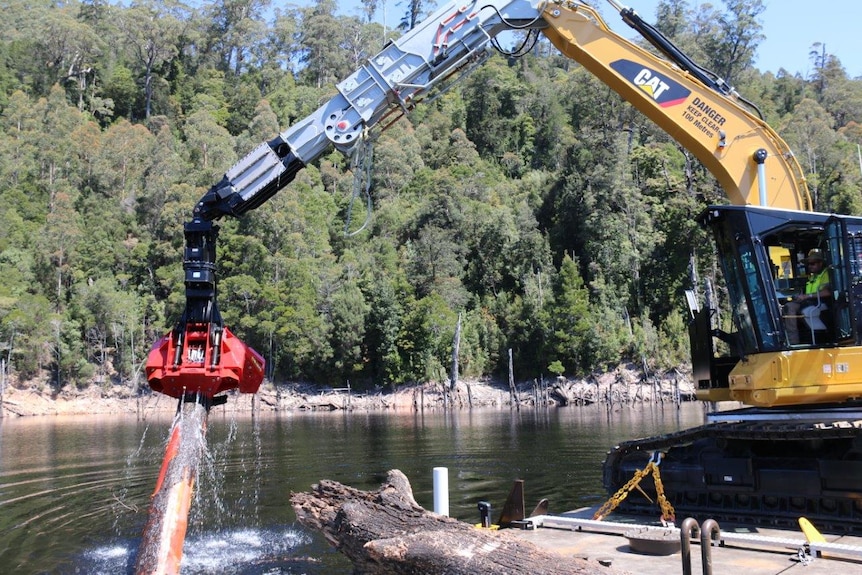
753,472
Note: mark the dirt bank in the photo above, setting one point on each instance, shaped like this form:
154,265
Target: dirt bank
622,385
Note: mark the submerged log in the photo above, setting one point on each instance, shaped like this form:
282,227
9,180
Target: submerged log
385,532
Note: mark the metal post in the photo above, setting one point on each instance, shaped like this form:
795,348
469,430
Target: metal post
441,491
709,531
760,159
688,529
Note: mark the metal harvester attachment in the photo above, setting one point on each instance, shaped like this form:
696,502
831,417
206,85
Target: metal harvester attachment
200,355
192,365
238,365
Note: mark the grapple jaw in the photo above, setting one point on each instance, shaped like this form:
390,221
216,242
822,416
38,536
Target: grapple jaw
211,361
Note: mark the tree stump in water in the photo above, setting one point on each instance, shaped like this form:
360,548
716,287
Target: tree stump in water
387,532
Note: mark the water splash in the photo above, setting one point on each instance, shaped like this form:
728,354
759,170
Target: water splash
122,504
233,552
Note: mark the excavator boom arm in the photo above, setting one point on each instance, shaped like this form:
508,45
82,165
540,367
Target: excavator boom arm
745,465
748,158
696,110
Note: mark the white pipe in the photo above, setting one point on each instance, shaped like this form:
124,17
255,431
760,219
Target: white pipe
441,491
760,159
761,183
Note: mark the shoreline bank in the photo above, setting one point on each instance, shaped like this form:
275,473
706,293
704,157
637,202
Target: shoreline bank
623,385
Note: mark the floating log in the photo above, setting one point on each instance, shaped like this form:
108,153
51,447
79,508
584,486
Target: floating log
385,532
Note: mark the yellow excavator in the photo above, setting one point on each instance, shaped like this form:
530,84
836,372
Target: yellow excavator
794,449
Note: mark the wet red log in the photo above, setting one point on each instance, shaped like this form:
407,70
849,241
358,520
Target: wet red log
161,548
385,532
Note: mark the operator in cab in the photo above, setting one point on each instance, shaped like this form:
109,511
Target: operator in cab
812,301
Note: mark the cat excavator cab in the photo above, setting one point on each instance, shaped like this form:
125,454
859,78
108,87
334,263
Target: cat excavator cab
794,449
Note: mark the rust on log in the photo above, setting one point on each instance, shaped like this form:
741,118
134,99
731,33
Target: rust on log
386,532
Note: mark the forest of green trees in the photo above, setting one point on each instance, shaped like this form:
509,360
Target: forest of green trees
529,200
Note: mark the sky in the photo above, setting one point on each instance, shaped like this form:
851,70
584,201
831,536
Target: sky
790,27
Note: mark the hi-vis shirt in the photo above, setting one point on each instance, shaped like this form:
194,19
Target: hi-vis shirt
816,282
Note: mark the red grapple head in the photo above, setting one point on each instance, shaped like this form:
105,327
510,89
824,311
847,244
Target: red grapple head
207,364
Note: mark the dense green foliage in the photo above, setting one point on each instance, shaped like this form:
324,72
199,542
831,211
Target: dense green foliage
529,199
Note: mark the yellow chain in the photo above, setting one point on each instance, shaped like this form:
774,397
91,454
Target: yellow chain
667,511
622,493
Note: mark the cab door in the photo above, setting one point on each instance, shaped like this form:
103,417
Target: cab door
844,255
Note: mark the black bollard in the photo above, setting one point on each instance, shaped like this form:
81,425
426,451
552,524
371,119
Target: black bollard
485,514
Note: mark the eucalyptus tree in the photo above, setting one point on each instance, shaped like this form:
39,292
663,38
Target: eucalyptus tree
673,18
110,320
235,28
322,44
19,331
151,32
397,157
277,53
414,12
730,38
839,95
808,131
70,48
784,92
261,126
209,145
825,67
121,162
25,331
164,168
426,338
20,125
57,157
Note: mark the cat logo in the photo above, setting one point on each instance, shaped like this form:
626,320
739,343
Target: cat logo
665,91
650,83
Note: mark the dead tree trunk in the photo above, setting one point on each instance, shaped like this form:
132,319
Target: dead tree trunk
561,395
513,392
456,346
2,384
385,532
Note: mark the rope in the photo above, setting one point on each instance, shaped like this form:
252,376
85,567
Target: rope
360,164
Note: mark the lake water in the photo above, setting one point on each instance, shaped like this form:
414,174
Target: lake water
74,490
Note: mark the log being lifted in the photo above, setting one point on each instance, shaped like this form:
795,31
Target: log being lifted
386,532
161,548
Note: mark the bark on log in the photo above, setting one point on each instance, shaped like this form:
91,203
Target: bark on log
385,532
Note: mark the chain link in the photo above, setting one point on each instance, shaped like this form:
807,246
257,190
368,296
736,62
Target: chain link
668,513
